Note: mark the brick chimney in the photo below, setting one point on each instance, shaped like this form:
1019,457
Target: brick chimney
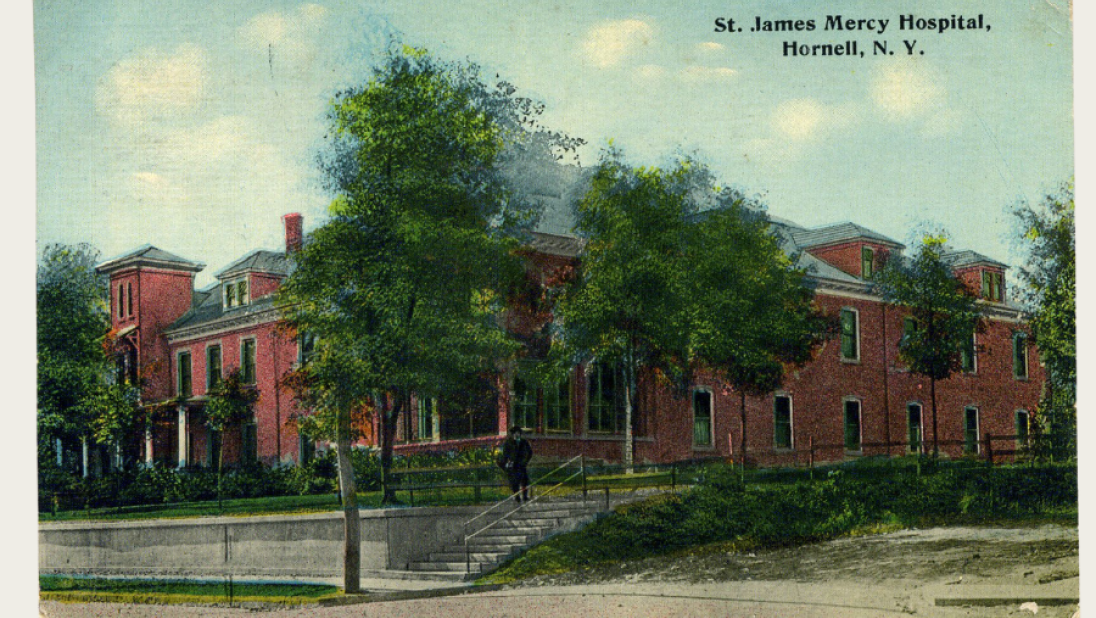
293,231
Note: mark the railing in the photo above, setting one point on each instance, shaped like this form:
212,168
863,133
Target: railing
505,517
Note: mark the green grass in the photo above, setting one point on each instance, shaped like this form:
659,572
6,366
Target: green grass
81,589
869,498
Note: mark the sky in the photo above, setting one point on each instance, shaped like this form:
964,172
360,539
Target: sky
194,126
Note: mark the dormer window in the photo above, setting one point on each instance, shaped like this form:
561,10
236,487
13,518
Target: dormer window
993,286
235,293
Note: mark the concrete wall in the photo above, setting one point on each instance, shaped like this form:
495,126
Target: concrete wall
267,546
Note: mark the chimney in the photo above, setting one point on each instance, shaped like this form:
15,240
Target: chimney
293,233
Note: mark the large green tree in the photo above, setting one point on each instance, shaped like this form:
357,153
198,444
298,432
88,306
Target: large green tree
678,275
77,399
402,287
1050,294
231,404
944,311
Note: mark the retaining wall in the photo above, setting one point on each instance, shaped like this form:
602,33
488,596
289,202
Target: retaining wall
261,546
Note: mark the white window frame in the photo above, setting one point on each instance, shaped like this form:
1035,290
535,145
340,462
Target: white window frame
859,423
234,284
254,360
791,422
711,418
977,430
856,339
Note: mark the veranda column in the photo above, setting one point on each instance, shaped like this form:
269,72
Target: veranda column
148,445
57,448
183,435
84,454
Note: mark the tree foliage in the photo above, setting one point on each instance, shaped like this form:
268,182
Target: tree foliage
403,286
678,275
945,313
1050,295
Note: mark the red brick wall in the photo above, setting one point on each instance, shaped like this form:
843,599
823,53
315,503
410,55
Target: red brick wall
846,256
275,356
263,285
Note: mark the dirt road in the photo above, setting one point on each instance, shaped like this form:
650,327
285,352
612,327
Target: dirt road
897,574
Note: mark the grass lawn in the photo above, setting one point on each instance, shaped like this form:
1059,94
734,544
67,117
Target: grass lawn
81,589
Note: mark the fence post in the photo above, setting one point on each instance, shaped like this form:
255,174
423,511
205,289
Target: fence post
810,458
673,477
989,448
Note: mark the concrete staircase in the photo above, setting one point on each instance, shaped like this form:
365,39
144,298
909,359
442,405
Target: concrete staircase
506,535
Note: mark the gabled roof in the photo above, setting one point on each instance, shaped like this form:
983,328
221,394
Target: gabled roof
260,260
964,258
839,233
148,255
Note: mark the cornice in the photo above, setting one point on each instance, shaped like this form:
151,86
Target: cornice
222,325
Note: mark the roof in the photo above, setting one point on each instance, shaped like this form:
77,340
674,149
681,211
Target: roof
838,233
208,309
260,260
961,259
147,255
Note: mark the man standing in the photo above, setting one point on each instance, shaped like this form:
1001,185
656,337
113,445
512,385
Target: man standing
516,453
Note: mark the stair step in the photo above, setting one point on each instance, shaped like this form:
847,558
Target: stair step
475,556
461,566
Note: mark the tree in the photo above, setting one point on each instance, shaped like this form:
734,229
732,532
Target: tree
403,286
1050,295
677,276
75,396
231,404
945,314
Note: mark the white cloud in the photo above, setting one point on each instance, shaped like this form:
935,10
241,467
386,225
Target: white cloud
698,73
709,46
799,118
154,85
651,71
904,89
288,35
609,43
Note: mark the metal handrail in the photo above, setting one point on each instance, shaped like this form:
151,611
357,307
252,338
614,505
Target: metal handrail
505,516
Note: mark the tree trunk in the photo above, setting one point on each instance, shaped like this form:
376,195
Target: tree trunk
388,415
352,558
935,437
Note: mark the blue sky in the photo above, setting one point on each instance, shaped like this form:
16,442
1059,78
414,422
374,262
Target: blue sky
194,126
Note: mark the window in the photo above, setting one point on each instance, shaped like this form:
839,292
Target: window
249,442
121,300
702,418
602,409
557,407
306,346
183,367
213,453
852,425
247,360
524,404
1023,427
428,409
970,430
850,334
782,421
867,262
966,355
129,299
213,366
1019,356
306,448
993,286
914,427
235,293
